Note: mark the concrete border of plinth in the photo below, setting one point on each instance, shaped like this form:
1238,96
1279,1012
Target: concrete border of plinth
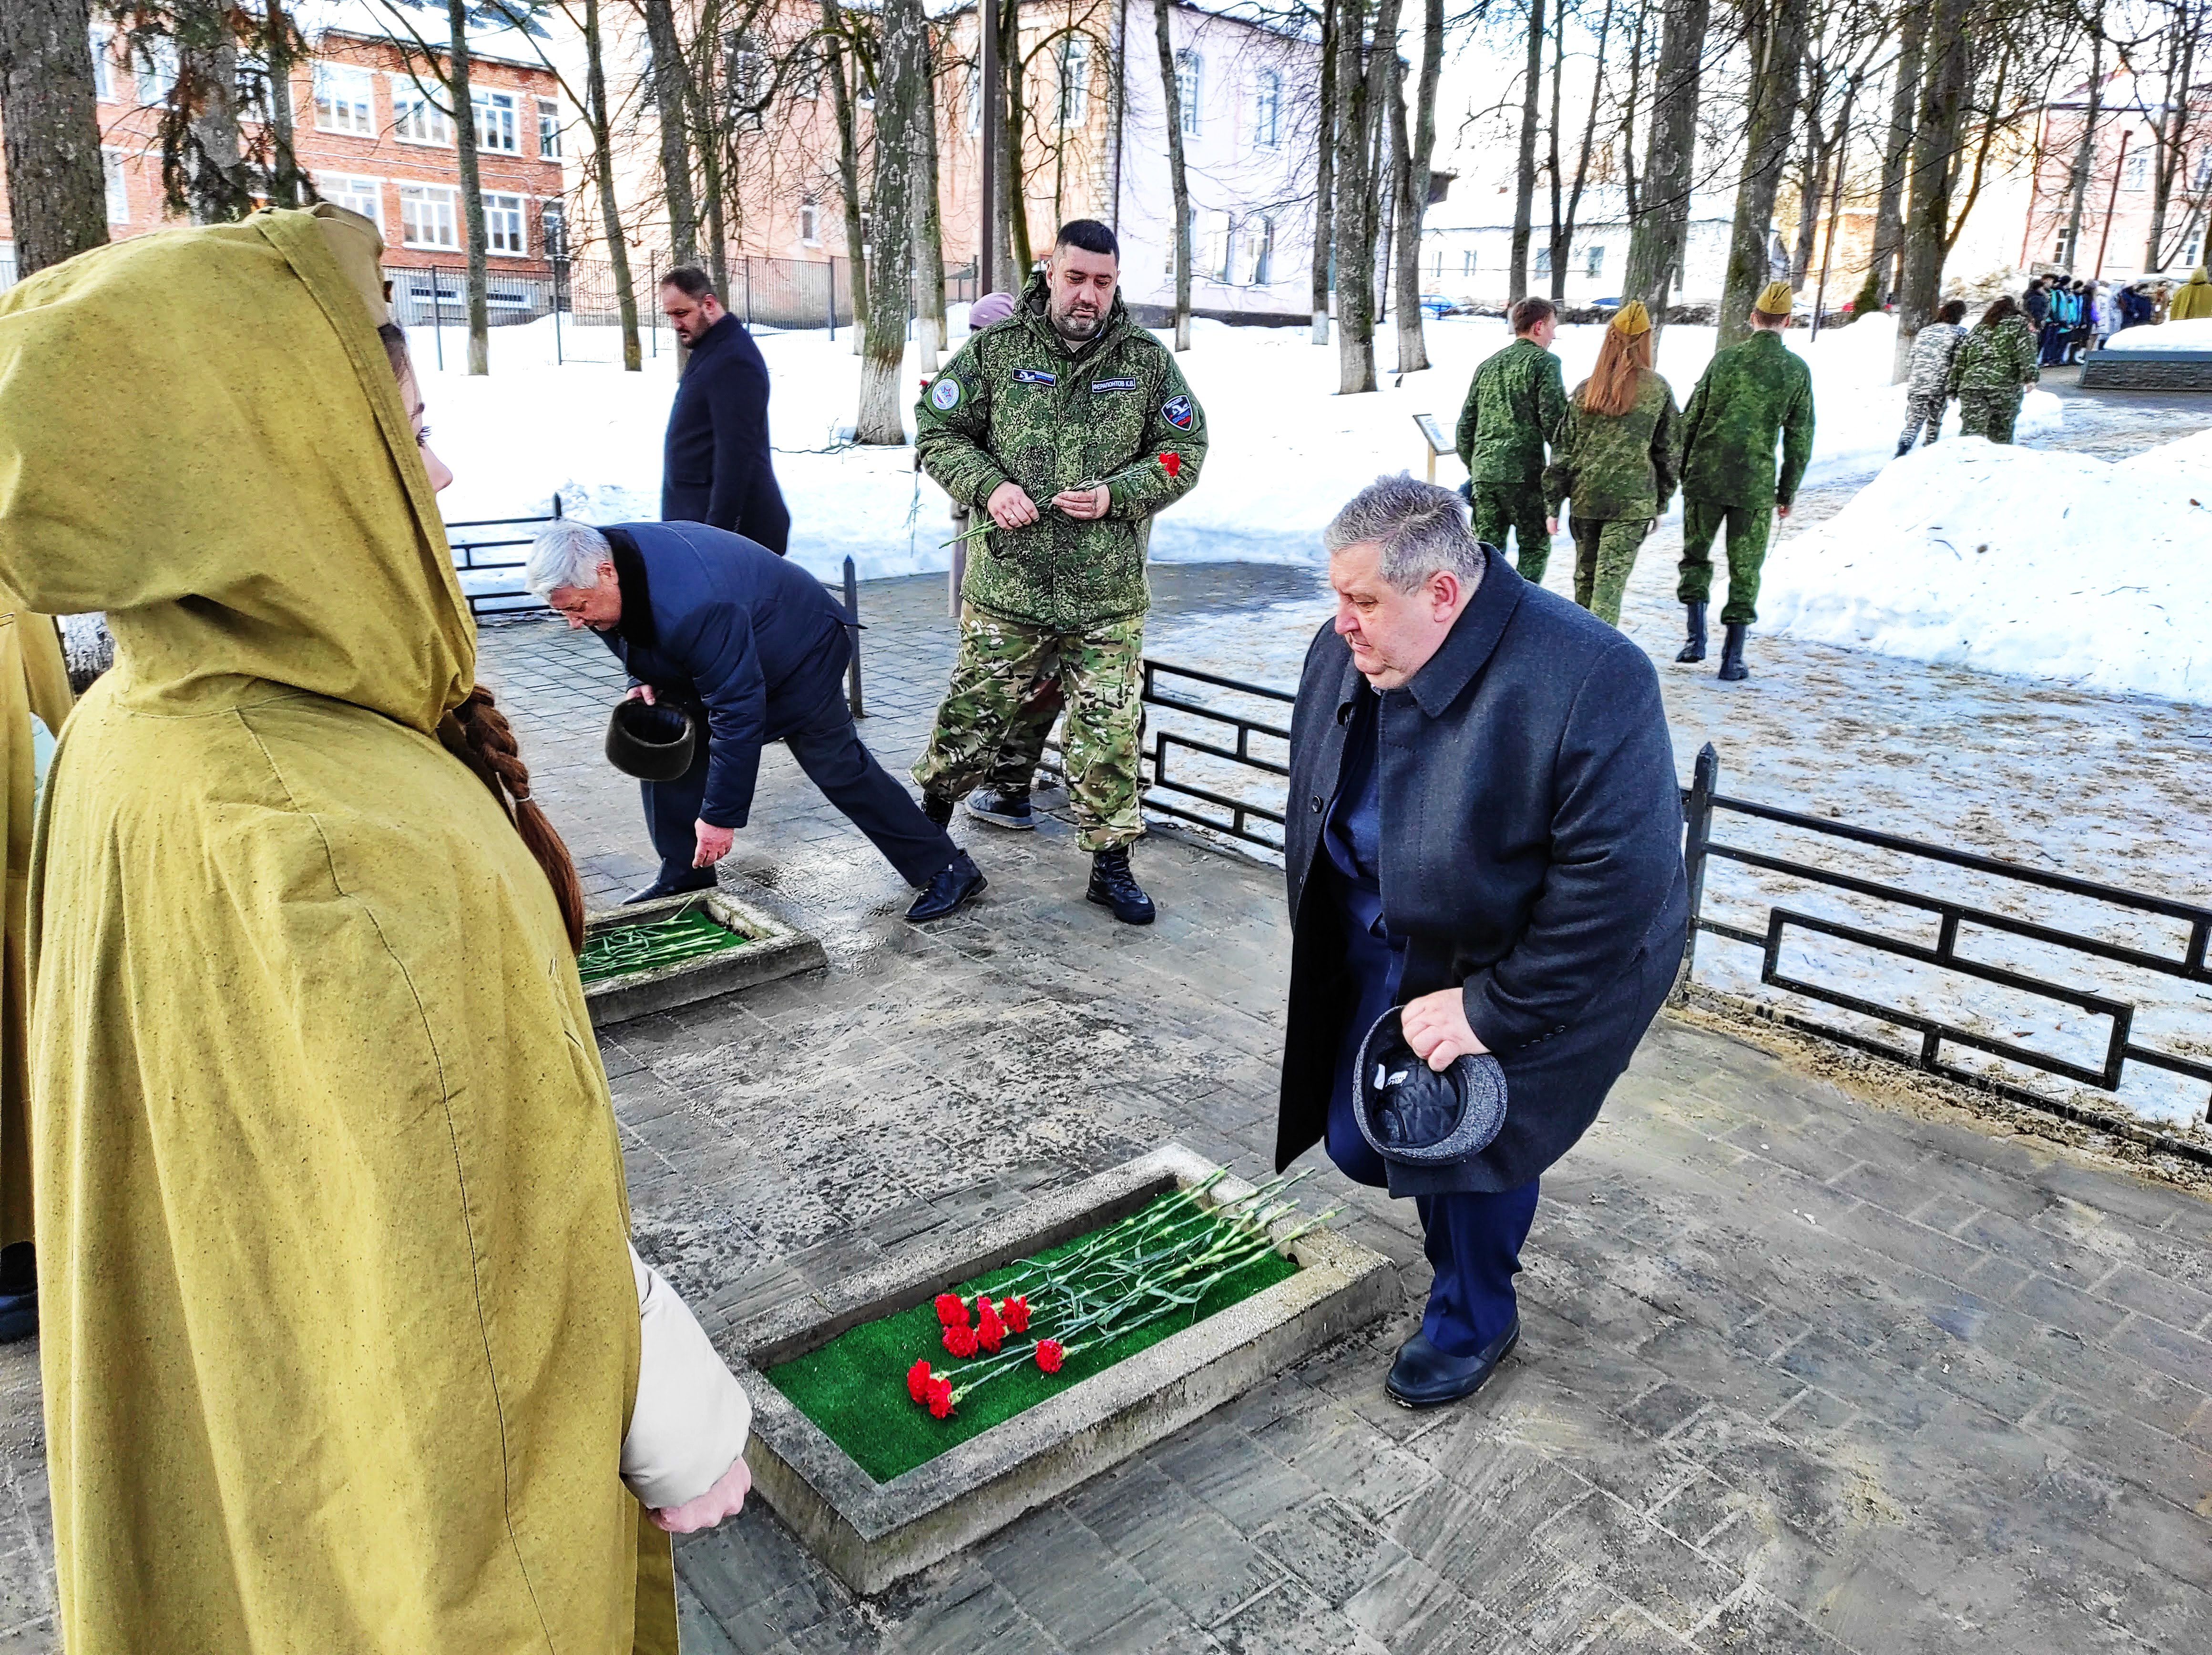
870,1535
2118,369
773,950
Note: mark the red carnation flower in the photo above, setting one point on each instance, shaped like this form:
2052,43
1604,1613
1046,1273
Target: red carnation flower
951,1310
989,1330
960,1340
1171,463
918,1380
1049,1356
940,1398
1016,1312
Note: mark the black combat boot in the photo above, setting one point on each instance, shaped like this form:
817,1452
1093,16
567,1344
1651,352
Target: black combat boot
1732,666
938,809
1009,809
1113,886
1695,649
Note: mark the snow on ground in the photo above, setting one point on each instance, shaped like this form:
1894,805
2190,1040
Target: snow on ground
2015,560
1286,450
2196,334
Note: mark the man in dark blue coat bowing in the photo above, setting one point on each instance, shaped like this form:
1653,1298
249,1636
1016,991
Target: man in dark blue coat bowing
704,617
1484,831
715,467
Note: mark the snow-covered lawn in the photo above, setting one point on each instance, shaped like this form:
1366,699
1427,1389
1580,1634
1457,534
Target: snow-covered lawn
2196,334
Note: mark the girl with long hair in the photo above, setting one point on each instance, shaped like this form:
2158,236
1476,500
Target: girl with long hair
1995,365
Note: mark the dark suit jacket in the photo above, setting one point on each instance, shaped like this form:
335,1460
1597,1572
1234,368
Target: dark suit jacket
1532,855
715,466
712,617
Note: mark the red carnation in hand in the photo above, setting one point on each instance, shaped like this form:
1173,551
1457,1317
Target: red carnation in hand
940,1398
989,1330
918,1379
1171,463
960,1340
1049,1356
951,1310
1015,1310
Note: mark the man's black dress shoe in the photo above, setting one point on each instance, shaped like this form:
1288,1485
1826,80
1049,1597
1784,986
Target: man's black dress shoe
699,879
948,890
1423,1377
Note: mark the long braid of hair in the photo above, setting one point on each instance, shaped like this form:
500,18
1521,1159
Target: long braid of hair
487,745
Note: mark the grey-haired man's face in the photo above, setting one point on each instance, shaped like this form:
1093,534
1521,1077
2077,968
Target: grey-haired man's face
1081,286
598,606
1391,633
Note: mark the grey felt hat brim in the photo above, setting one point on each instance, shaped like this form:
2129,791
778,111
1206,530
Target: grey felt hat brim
1480,1081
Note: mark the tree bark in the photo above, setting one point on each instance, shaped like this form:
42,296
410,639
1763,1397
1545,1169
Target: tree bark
1812,188
1325,174
1414,190
1582,159
1178,179
1628,110
1941,117
288,185
204,169
1013,178
1354,224
899,78
928,219
2170,132
57,188
1778,46
669,81
1555,247
602,157
1524,187
1897,147
2085,153
472,213
1654,238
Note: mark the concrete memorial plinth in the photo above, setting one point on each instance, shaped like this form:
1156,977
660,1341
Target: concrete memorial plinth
772,950
2116,368
872,1535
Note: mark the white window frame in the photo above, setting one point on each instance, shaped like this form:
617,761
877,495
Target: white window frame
415,116
1190,70
1541,262
1268,110
1073,62
1594,262
355,192
497,117
434,195
353,117
103,64
118,190
1211,257
549,129
514,212
2134,172
1256,251
1466,262
152,71
810,221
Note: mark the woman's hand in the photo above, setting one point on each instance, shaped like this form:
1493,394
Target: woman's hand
726,1498
1437,1028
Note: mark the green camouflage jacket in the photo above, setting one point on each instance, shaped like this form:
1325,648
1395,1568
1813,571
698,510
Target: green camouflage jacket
1618,466
1515,404
1014,405
1749,393
2002,358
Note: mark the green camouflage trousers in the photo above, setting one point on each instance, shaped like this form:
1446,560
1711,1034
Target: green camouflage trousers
1747,530
1605,554
1991,413
1001,665
1502,505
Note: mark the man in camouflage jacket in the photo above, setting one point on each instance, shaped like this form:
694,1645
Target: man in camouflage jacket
1070,425
1930,386
1516,403
1749,394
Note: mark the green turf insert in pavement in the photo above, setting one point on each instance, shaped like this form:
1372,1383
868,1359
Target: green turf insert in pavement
650,944
855,1387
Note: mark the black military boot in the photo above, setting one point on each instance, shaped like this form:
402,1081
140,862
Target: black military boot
1113,886
1732,666
1009,809
938,809
1695,649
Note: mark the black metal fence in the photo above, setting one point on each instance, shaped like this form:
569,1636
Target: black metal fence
1907,949
490,573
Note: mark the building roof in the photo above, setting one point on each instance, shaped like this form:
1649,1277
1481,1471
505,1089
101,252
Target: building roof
389,20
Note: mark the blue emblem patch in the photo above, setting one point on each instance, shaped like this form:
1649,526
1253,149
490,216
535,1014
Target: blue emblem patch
945,395
1113,385
1177,410
1031,376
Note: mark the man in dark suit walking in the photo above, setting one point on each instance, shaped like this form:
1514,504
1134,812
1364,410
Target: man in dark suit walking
716,465
1483,831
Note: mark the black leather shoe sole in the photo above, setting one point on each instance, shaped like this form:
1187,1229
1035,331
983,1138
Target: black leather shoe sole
1423,1377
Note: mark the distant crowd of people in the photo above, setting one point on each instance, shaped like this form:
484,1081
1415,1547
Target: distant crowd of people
2071,316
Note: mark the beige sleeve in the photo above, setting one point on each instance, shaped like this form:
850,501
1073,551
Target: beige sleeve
689,1424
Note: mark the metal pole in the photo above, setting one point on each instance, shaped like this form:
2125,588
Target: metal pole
852,627
987,16
437,320
1836,208
1697,834
2112,200
832,285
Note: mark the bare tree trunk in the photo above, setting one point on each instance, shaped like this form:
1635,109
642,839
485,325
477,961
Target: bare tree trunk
1941,118
1524,187
669,79
1812,187
848,155
1414,190
1777,46
472,214
2085,152
1628,109
1655,239
2170,131
1897,147
57,189
1325,172
1360,75
203,154
1566,236
928,220
1012,179
899,80
602,158
1178,179
288,183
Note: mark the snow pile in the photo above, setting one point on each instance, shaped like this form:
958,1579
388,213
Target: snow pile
2012,560
2195,334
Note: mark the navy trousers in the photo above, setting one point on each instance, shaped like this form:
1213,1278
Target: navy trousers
830,750
1474,1241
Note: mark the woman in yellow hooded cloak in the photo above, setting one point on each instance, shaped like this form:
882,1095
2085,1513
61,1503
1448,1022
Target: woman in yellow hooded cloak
341,1335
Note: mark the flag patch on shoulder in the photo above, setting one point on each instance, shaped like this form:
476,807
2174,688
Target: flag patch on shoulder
1176,411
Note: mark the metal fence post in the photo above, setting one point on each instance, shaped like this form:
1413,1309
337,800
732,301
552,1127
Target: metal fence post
852,626
1697,833
438,319
832,285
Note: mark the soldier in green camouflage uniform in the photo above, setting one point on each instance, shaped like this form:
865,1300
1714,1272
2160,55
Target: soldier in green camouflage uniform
1077,423
1617,469
1993,371
1749,394
1516,403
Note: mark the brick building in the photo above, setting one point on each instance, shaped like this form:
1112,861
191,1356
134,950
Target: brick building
371,129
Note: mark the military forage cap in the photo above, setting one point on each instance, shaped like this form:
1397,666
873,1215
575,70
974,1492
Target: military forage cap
1774,298
1632,319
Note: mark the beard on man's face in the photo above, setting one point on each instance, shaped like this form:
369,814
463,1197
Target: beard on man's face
1078,318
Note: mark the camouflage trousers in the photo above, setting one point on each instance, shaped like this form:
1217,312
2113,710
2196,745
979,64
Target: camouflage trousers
1920,410
1991,413
982,729
1605,555
1502,505
1748,527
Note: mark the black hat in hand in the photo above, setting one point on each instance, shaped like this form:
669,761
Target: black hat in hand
1413,1115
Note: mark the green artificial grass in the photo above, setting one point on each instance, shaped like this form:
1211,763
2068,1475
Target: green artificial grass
621,949
855,1387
